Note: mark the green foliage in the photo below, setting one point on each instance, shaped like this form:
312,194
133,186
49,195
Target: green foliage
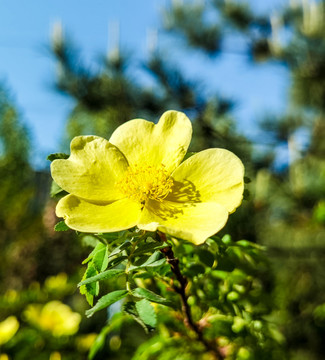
55,156
61,226
97,262
226,292
146,294
107,300
142,312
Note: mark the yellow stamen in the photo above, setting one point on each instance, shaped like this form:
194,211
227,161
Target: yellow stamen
143,182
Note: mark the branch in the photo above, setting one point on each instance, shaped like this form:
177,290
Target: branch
181,290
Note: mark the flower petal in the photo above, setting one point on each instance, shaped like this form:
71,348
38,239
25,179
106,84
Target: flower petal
212,175
91,217
92,169
194,222
143,142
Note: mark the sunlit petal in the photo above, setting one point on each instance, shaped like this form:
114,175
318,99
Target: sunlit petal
194,222
143,142
91,217
213,175
92,169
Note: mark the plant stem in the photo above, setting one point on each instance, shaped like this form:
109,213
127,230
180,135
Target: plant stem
128,284
181,290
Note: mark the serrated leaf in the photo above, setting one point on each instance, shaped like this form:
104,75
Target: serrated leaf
120,248
61,226
106,301
98,248
116,261
143,293
90,290
131,309
55,156
100,259
156,259
146,313
104,275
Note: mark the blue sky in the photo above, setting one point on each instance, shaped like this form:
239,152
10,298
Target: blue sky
28,70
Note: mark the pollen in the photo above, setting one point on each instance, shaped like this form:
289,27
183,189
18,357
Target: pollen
143,182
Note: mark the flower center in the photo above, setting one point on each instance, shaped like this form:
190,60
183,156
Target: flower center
143,182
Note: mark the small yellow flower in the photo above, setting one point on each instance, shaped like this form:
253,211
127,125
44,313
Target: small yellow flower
8,329
84,342
57,282
55,317
137,178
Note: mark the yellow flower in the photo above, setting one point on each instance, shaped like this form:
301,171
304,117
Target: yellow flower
8,329
57,282
84,342
55,317
137,178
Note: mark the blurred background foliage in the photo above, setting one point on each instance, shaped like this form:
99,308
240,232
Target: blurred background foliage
285,210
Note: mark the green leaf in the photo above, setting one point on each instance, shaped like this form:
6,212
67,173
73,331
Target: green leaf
90,290
206,257
88,240
221,325
56,191
146,247
226,239
120,248
99,343
146,313
219,274
156,259
194,270
104,275
55,156
98,248
61,226
249,244
131,308
106,301
116,261
100,259
114,325
143,293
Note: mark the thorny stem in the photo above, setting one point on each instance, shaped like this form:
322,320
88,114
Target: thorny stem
181,290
